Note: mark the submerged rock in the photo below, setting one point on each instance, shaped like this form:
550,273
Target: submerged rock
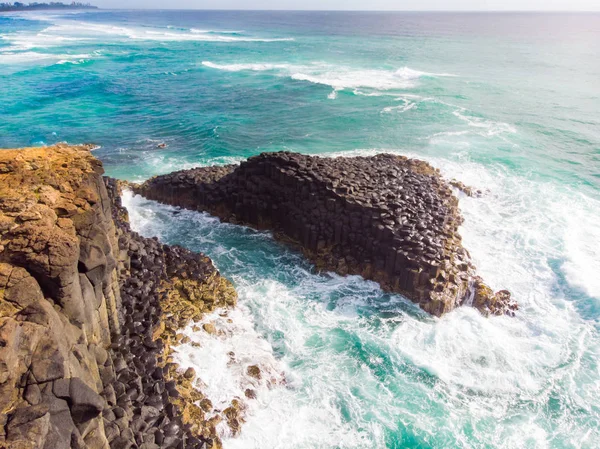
467,190
388,218
254,371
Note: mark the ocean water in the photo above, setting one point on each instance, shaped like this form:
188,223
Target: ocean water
507,103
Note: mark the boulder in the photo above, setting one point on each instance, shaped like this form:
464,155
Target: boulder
29,426
85,402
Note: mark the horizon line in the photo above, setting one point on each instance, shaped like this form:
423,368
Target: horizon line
360,10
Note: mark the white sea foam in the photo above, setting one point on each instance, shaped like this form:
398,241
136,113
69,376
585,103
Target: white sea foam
157,162
196,30
408,73
27,41
71,60
242,67
167,36
406,105
475,125
490,127
221,360
61,32
336,76
346,78
12,58
581,236
340,77
449,134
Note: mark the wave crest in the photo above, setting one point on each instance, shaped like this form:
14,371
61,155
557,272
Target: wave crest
337,77
60,32
257,67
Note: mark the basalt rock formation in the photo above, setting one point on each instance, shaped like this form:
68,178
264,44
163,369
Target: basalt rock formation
88,313
388,218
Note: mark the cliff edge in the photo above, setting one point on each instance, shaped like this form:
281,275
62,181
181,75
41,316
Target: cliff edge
388,218
89,312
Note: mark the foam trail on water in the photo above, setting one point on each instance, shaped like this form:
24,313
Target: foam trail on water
27,41
13,62
95,29
221,360
333,95
196,30
257,67
407,105
26,57
491,127
408,73
583,264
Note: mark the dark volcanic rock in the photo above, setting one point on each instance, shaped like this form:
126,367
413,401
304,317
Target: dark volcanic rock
389,218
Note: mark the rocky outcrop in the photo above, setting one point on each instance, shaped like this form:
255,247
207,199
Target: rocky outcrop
59,297
164,288
87,313
387,218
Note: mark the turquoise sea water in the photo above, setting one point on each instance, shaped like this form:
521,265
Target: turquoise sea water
508,103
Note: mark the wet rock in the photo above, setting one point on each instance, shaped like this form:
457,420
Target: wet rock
467,190
254,371
206,405
209,328
190,373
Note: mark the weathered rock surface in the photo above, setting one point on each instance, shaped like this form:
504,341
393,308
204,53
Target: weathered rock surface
387,218
87,311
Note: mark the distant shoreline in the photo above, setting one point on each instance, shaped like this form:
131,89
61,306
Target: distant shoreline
19,7
373,11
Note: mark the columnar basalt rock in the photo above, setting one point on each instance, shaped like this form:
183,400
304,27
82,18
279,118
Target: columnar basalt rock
59,299
86,313
164,288
388,218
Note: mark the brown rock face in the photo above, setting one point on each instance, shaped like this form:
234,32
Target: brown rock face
388,218
82,360
55,307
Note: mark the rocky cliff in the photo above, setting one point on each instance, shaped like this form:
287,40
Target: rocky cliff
388,218
88,313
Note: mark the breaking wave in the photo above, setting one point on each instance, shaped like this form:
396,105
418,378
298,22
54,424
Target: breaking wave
337,77
61,32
